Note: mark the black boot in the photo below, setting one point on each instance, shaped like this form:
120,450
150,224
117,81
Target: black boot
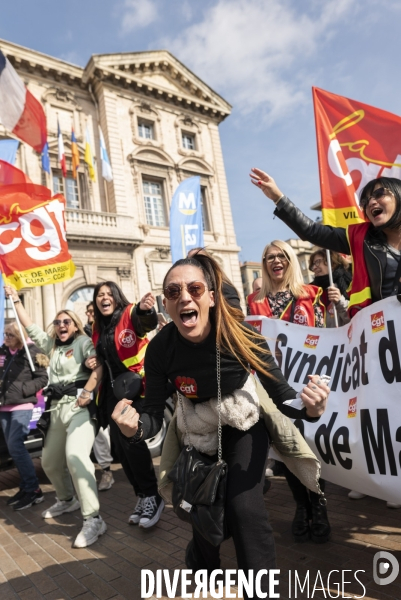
300,525
320,526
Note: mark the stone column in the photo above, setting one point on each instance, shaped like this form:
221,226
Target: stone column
48,304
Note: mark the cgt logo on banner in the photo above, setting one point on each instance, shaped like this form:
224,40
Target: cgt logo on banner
33,242
358,439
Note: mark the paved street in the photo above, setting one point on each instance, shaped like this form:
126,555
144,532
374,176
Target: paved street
37,561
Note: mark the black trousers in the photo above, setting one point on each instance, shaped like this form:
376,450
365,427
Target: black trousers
301,494
246,455
135,458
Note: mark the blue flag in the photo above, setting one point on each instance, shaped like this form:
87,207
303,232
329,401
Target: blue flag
186,227
8,150
46,158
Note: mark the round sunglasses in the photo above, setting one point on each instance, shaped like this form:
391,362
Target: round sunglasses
195,289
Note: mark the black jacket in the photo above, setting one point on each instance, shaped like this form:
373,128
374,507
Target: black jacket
335,238
20,384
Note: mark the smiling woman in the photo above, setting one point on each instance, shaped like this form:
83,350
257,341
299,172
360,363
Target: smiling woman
375,246
69,411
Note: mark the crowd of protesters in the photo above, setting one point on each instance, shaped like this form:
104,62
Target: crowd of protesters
208,341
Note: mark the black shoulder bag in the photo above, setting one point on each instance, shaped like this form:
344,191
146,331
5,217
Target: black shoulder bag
199,490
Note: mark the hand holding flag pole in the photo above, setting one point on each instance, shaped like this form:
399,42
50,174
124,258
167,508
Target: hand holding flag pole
12,295
328,260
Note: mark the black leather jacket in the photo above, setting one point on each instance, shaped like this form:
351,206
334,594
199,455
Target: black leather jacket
335,238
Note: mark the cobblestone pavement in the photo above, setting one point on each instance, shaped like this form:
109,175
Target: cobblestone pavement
37,561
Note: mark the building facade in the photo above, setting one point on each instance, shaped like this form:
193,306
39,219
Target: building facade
160,124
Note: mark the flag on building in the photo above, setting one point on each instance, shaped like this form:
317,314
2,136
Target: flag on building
89,155
356,143
20,112
8,150
34,249
75,154
107,173
46,158
61,153
186,226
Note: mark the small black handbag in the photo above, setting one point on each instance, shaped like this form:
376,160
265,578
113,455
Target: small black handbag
199,490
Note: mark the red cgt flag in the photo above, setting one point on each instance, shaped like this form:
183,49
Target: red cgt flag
33,242
356,143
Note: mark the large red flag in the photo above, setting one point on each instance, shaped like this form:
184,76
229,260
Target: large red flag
33,241
356,143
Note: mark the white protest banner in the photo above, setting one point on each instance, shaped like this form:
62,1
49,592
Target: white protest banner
358,439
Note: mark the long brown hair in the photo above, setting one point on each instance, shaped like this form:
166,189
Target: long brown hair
231,335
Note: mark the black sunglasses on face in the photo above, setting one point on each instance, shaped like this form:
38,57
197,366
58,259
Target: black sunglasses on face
9,335
195,289
59,322
375,195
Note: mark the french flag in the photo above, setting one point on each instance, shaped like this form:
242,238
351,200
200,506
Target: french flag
61,153
20,112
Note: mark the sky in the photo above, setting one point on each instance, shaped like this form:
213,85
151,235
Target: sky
262,56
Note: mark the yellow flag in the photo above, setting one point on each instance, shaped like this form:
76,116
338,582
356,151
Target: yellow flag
88,156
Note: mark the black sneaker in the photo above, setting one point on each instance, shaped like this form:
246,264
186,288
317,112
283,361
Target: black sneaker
152,507
14,499
137,514
29,499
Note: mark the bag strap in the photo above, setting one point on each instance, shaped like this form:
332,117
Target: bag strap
219,430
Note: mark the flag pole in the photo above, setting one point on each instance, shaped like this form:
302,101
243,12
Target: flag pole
28,354
328,260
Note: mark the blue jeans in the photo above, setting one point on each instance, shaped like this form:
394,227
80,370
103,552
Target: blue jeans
15,427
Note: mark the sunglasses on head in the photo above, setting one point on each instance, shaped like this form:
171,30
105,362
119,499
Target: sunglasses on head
375,195
59,322
195,289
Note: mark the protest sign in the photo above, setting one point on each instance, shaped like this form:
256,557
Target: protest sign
358,439
33,241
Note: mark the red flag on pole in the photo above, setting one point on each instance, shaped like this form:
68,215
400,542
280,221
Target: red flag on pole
356,143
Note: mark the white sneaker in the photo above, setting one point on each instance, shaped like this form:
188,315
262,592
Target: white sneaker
89,534
137,514
61,507
393,505
356,495
151,510
106,481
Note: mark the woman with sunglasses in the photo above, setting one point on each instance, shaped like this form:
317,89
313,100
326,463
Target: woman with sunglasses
205,327
18,388
71,432
120,337
284,295
333,295
375,246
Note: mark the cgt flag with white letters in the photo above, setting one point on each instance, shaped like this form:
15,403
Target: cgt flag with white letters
33,242
358,439
186,223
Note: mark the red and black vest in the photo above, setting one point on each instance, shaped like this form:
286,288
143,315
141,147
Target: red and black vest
360,294
130,347
303,310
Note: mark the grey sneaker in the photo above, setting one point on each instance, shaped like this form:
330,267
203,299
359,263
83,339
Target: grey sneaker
60,507
89,534
137,514
106,481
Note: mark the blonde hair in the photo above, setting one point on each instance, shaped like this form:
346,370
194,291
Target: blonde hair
17,332
74,317
293,280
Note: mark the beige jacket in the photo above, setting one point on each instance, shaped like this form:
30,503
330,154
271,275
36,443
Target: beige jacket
288,443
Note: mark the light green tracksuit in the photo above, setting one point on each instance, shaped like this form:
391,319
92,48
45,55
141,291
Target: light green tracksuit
66,454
